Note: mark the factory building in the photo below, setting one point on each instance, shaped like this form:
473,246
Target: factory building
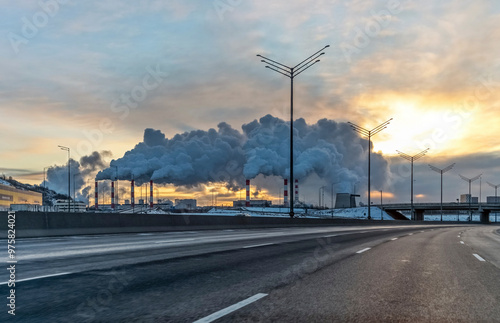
252,203
11,195
345,200
185,204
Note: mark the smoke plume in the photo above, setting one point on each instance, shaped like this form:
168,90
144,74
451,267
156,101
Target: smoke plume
331,150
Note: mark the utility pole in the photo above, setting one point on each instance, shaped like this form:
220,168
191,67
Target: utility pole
442,171
369,134
291,73
412,159
470,180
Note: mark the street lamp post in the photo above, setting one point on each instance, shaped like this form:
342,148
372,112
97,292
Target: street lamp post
74,192
321,196
470,180
368,134
381,207
496,201
412,159
116,193
442,171
44,189
291,73
69,175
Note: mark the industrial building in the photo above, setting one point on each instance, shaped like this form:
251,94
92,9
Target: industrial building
11,195
189,204
466,198
252,203
345,200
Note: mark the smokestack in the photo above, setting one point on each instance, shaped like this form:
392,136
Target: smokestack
247,203
96,196
112,195
151,193
132,193
285,193
297,190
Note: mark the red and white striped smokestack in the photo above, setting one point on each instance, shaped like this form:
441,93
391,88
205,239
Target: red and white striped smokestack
247,203
132,193
96,196
285,193
151,193
296,190
112,195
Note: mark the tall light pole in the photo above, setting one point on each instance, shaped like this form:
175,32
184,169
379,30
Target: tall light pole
74,192
442,171
496,201
412,159
495,187
69,175
381,207
291,73
368,134
44,189
116,193
470,180
321,201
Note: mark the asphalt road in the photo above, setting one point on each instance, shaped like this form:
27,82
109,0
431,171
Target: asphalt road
359,274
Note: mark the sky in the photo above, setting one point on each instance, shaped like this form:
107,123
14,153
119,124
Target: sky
93,75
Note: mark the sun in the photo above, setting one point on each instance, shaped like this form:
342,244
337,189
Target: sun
415,128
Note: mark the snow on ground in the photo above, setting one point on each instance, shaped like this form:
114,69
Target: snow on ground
353,213
4,182
454,217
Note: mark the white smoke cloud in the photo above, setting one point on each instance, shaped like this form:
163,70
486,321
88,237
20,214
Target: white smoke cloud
331,150
57,175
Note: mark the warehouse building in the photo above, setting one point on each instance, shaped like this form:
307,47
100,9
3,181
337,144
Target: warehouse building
11,195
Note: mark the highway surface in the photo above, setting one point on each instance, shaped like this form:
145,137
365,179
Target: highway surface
425,273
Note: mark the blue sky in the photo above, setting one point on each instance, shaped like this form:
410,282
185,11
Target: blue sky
432,66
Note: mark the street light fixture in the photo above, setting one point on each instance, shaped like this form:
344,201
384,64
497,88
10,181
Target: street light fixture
470,180
496,201
368,134
291,73
74,192
442,171
44,189
321,196
69,176
116,193
412,159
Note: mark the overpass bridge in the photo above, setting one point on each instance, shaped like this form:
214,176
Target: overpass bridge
484,209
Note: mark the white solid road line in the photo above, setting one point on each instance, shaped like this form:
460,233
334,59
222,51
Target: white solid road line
363,250
331,235
478,257
173,241
394,239
258,245
230,309
39,277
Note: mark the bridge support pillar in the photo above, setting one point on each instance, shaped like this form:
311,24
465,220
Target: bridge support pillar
485,216
419,215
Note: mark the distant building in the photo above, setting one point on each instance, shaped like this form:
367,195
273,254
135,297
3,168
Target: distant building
253,203
493,199
345,200
11,195
466,198
185,204
74,206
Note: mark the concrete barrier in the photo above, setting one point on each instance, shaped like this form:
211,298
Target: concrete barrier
41,224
